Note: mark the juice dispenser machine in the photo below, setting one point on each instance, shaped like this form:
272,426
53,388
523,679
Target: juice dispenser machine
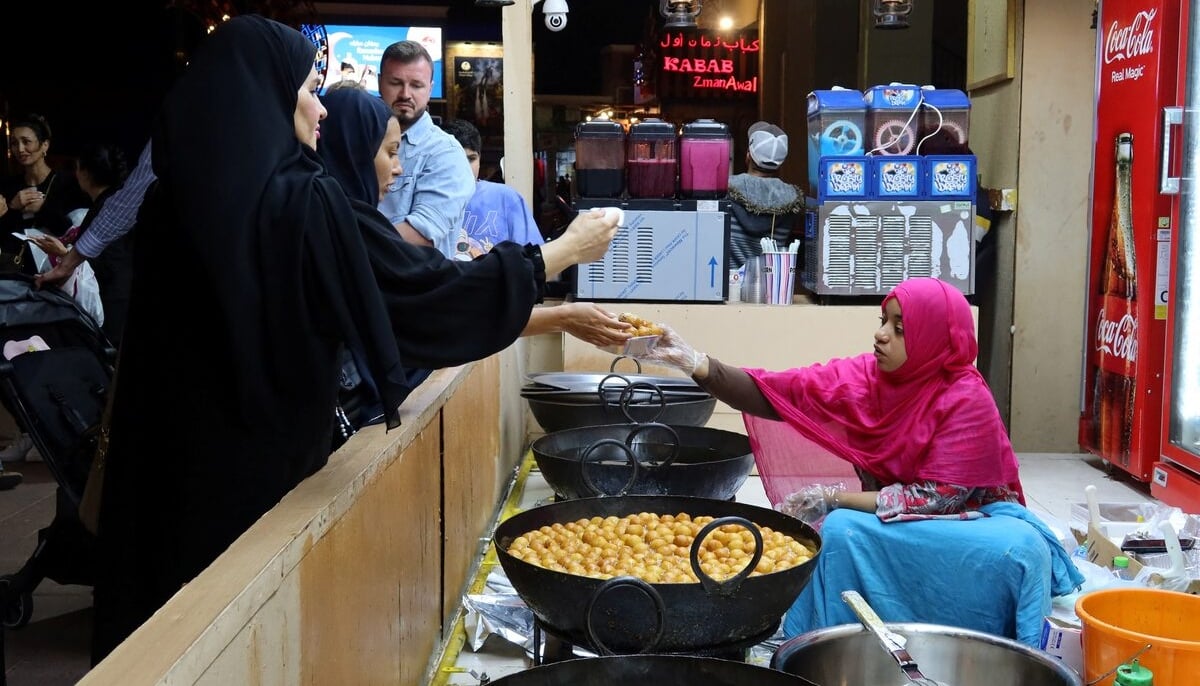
599,159
891,120
705,148
944,122
653,159
836,122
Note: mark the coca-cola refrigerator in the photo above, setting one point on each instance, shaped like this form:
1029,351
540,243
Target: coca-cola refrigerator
1176,479
1132,221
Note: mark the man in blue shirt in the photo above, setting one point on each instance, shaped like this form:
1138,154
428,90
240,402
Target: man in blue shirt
495,212
427,202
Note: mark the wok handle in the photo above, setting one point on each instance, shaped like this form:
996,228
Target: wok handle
600,387
615,582
626,399
674,442
729,586
587,454
612,367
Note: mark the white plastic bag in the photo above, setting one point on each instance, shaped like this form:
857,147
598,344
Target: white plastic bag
83,287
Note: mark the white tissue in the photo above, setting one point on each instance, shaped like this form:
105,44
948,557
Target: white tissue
610,212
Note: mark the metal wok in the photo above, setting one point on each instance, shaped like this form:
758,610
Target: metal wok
644,459
567,401
651,670
692,617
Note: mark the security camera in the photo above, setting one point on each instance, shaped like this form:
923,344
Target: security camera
556,14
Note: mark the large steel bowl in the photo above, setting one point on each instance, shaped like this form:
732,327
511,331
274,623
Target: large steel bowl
849,654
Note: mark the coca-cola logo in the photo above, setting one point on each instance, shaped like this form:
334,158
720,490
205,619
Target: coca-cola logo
1134,40
1117,338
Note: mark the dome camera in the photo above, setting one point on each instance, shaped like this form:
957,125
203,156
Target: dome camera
555,12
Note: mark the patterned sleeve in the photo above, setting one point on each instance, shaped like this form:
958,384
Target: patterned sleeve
118,215
930,499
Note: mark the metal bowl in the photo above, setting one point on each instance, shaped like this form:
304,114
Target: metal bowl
849,654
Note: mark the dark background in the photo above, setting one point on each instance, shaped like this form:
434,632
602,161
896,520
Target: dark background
98,70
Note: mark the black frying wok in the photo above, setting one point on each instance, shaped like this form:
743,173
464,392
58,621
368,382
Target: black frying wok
579,400
693,617
651,670
644,459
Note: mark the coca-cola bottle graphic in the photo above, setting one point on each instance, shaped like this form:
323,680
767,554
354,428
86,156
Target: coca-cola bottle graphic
1116,326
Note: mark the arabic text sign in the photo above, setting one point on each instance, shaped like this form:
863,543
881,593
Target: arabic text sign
707,65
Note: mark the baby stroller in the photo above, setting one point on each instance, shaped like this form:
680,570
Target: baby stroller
54,375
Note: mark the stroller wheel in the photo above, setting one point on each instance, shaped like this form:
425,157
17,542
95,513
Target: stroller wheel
18,607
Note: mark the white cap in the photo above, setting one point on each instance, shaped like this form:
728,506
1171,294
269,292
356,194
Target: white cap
768,145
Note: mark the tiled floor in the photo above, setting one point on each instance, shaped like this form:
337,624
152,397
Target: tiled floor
53,649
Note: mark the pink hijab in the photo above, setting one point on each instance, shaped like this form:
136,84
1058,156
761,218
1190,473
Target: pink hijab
933,419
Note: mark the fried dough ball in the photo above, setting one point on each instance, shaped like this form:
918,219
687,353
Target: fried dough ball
641,327
654,548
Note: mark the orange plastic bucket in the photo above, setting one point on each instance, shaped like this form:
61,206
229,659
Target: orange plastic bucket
1119,622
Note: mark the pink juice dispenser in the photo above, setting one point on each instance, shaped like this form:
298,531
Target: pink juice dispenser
653,159
705,148
599,159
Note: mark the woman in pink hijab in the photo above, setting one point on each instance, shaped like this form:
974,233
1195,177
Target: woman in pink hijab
914,416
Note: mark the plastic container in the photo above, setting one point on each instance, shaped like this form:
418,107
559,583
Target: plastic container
1121,567
1133,674
949,134
837,121
652,159
1119,622
599,159
893,119
705,147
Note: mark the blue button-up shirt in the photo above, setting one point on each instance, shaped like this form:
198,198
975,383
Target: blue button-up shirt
433,191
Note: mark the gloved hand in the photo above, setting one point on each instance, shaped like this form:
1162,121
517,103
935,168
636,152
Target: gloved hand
811,503
673,351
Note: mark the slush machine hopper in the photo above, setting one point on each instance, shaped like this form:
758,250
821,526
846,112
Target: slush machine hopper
599,159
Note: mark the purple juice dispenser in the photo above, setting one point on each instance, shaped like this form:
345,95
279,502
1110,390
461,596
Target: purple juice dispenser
705,148
599,159
653,159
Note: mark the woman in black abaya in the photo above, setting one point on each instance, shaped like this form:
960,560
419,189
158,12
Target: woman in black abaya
250,273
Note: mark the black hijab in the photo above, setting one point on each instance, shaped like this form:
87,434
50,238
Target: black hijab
350,137
249,273
253,204
443,312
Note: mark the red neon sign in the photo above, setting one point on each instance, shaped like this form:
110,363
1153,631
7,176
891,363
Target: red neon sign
692,65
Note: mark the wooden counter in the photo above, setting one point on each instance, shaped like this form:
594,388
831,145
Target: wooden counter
352,577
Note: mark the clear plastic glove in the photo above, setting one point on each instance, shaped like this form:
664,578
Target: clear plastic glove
673,351
811,503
